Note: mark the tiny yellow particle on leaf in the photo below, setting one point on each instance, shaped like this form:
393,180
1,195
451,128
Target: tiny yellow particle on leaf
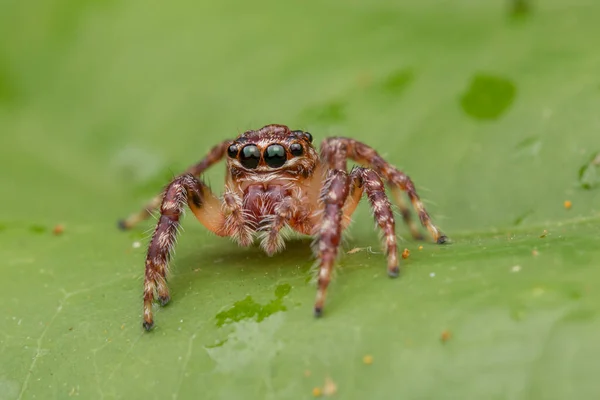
446,335
420,247
405,254
368,359
58,229
316,392
568,204
330,387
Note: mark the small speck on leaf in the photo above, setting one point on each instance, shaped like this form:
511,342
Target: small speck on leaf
445,336
544,234
330,387
58,229
368,359
568,204
406,254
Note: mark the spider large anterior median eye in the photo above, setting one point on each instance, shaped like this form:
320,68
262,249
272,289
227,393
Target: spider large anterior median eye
275,156
296,149
250,156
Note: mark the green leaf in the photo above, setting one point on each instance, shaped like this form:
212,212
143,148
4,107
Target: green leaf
495,121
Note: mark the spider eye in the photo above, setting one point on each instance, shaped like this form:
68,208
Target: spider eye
275,156
306,135
296,149
232,151
250,156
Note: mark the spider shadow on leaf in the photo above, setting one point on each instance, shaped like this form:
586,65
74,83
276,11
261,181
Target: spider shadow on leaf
296,257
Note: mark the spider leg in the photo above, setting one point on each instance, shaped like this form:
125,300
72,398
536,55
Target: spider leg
331,149
364,179
284,212
205,206
405,212
213,156
236,225
329,235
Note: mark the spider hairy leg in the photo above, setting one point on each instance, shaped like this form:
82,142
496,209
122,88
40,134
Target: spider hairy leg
398,180
405,212
330,232
213,156
369,181
182,190
424,217
236,222
333,148
272,241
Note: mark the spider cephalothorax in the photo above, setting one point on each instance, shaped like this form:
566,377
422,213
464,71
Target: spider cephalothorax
276,179
257,156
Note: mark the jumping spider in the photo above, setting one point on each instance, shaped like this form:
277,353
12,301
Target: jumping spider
276,178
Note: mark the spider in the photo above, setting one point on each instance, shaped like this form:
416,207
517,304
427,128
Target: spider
276,179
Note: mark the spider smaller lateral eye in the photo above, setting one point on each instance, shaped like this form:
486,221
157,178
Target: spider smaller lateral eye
305,135
296,149
232,151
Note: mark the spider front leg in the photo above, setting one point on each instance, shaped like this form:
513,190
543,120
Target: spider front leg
333,196
205,206
213,156
285,211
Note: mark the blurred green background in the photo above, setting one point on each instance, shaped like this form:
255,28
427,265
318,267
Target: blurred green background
491,107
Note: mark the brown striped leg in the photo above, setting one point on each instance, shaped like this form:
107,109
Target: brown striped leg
406,214
369,181
353,199
213,156
285,211
366,155
333,197
184,189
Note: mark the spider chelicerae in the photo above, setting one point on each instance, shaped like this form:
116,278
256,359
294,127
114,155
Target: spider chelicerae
276,179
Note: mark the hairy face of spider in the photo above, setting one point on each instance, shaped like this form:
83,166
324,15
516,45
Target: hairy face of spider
272,149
